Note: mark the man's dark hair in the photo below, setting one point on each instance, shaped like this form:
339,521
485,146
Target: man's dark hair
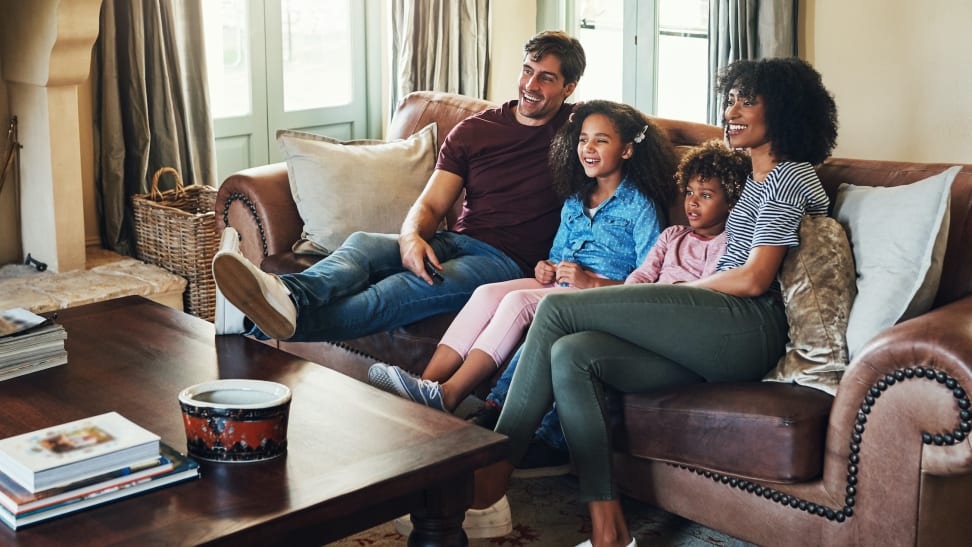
568,49
801,116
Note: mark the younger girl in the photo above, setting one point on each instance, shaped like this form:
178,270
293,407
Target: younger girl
615,171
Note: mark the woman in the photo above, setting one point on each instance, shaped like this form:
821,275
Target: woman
729,326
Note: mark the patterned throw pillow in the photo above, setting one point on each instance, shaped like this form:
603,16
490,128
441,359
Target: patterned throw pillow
818,286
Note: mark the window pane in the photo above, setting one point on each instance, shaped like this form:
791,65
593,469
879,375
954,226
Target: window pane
601,32
228,57
316,53
683,59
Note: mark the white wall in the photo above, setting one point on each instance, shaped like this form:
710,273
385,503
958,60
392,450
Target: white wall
900,72
513,23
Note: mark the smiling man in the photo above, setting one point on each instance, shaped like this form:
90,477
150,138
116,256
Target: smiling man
377,282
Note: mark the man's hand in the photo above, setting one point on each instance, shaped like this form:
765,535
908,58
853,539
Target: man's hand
415,251
545,272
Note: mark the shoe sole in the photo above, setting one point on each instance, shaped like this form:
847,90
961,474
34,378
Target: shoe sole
540,472
244,291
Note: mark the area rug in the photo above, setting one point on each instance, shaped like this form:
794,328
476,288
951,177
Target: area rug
546,512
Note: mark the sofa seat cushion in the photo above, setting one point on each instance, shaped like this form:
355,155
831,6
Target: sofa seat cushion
755,430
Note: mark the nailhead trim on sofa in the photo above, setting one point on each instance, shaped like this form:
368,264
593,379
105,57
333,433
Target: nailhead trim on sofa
249,204
874,392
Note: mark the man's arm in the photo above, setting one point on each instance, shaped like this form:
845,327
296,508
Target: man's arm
423,218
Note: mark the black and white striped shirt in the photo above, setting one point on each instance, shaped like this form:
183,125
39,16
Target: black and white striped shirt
769,212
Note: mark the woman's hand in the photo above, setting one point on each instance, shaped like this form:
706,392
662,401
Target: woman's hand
544,272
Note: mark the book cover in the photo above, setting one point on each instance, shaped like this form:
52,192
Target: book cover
16,499
183,469
75,450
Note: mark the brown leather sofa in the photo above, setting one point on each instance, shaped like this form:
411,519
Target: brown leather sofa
885,462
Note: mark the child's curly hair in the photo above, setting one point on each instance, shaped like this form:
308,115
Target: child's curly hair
801,115
713,159
651,166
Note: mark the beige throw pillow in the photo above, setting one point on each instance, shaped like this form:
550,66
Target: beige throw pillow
818,286
341,187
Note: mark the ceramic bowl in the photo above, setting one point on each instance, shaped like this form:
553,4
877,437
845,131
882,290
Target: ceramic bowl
236,420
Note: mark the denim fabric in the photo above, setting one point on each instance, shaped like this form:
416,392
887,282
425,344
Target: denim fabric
549,430
362,287
616,240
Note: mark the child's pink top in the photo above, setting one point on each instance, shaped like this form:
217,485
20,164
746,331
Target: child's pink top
679,256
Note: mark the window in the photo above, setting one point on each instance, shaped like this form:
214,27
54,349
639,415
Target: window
652,54
287,64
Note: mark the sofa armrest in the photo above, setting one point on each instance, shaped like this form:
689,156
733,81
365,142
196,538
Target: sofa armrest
257,202
901,411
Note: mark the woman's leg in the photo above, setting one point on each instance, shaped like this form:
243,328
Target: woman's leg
715,337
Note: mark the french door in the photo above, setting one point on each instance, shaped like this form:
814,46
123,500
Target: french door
285,64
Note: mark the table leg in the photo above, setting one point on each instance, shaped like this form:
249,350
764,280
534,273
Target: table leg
439,522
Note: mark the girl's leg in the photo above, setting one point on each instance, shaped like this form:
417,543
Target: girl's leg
477,313
477,367
511,319
444,363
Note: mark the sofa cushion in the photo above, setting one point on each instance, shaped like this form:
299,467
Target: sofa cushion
342,187
818,285
756,430
898,237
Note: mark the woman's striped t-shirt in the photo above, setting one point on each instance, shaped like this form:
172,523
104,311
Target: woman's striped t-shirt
769,212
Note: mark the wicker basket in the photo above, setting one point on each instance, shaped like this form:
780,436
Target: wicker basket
176,230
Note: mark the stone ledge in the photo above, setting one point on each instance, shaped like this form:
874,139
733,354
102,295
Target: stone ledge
109,277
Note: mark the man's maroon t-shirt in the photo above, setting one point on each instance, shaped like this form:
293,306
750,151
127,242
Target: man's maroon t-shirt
510,202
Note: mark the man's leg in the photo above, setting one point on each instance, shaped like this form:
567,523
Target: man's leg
390,297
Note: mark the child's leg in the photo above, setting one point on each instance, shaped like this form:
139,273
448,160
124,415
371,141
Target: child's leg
502,334
510,321
478,312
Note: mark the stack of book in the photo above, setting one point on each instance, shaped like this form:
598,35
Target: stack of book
68,467
29,342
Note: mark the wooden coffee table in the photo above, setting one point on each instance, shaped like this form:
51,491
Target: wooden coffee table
357,456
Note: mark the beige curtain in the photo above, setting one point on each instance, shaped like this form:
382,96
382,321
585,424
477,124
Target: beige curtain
747,29
439,45
151,107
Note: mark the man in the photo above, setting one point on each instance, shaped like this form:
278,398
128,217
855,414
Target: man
377,282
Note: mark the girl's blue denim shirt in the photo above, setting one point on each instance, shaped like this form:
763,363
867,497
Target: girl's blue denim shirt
616,240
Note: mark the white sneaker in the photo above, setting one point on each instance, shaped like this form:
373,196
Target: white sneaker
589,544
492,522
260,296
229,318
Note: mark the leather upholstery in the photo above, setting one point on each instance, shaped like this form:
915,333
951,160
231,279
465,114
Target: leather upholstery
888,461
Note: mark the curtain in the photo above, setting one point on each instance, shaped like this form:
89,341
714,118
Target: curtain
747,29
439,45
151,107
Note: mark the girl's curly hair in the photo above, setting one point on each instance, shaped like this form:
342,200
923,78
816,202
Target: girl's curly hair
713,159
801,115
651,167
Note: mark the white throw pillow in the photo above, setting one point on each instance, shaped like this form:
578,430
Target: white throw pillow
341,187
898,237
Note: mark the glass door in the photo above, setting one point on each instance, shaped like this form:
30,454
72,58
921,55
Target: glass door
284,64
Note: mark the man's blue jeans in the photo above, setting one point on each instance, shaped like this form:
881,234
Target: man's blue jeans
549,430
362,287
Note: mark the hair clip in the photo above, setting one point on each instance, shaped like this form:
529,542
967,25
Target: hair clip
641,136
570,119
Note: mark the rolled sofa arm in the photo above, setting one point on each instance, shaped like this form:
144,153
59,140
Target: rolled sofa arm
257,202
902,411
